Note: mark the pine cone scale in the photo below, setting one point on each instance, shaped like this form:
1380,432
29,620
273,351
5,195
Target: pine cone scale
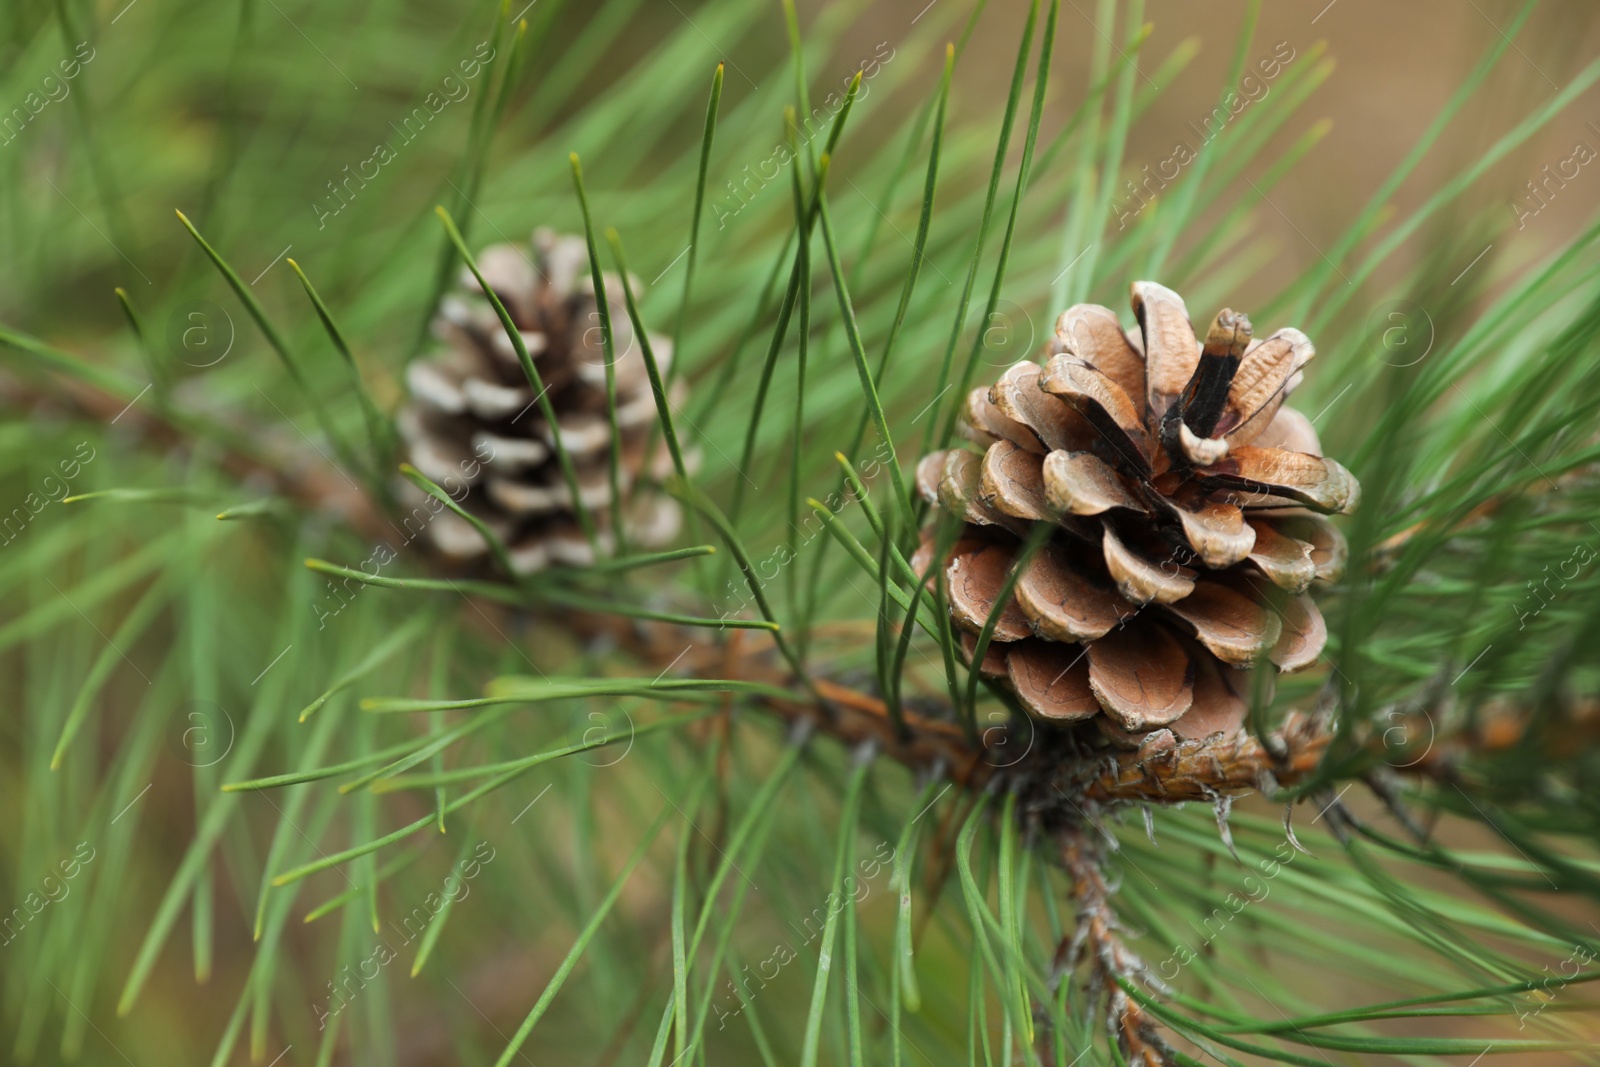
1141,580
976,578
1065,602
1285,560
1233,626
1312,481
1093,335
1305,632
1171,352
1142,676
1081,483
1052,680
1263,375
1213,529
1017,395
1106,407
1011,480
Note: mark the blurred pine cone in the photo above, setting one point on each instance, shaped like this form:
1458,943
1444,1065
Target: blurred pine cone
1186,499
474,426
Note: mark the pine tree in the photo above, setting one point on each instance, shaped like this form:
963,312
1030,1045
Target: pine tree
430,645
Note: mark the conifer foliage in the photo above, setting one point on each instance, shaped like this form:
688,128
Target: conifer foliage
779,612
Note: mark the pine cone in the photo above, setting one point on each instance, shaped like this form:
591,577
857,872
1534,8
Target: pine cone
474,425
1186,500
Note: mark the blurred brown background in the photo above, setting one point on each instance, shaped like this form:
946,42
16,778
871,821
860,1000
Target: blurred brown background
1397,66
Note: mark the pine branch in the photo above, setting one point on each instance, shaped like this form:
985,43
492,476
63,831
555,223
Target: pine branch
933,742
301,476
1112,965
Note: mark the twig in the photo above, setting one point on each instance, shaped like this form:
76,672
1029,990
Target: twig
1111,962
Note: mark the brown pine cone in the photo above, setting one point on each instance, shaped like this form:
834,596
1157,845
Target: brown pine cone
1186,498
474,426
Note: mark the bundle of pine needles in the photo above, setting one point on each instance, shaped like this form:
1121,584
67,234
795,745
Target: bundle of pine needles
748,795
